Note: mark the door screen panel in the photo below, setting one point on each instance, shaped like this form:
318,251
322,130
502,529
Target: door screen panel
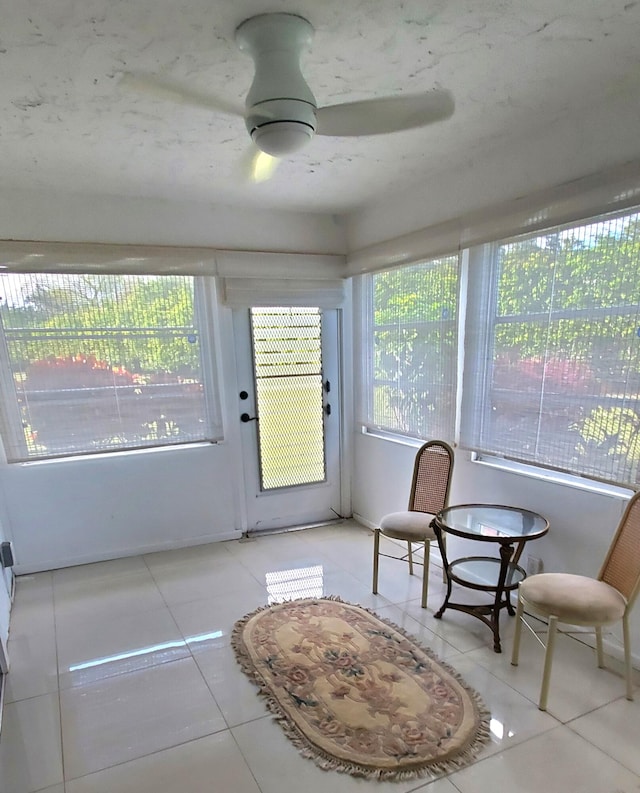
287,356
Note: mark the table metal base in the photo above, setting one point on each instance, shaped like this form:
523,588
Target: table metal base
481,611
509,575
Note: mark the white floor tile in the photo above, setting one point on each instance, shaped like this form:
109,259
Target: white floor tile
129,716
577,685
462,631
157,684
204,578
188,555
209,622
236,695
32,650
32,590
277,766
512,717
30,748
91,649
98,571
395,583
614,728
104,590
437,786
558,760
426,637
207,765
269,557
287,541
349,588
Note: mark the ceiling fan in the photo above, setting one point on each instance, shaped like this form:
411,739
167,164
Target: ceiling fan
281,113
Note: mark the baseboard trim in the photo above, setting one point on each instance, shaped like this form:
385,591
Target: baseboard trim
366,523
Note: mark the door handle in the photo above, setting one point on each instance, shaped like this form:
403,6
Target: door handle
245,418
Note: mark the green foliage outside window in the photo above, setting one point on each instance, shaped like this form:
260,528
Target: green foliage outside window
566,344
113,318
102,361
562,385
415,339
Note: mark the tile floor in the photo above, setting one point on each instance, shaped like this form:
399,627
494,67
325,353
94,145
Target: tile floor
123,679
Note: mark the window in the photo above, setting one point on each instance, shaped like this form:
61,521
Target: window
552,366
93,363
411,349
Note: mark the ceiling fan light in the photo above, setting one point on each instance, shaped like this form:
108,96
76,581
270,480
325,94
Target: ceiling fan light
280,138
262,167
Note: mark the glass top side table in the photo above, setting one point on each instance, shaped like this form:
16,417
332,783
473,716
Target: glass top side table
508,526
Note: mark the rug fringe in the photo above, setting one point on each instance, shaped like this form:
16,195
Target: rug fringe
328,762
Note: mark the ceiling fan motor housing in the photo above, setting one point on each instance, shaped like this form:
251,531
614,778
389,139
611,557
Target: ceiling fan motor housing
281,109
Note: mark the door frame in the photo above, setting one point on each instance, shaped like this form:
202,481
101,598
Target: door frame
230,379
307,503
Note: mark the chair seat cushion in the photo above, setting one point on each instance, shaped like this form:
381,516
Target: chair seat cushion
412,526
575,599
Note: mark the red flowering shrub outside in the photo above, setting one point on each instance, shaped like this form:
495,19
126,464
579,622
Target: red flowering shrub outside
75,371
560,376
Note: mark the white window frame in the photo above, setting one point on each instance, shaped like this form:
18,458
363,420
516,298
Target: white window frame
364,296
476,303
481,284
206,313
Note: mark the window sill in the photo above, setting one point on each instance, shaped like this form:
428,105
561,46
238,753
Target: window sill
555,477
403,440
118,452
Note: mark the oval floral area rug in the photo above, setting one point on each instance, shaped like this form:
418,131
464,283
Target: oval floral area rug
356,693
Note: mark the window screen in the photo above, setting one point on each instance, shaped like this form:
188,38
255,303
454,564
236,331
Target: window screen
556,377
93,363
410,385
287,359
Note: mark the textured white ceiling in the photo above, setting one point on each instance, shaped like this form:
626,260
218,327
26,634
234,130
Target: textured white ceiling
513,66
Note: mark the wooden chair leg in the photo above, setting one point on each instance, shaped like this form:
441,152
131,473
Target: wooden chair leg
515,651
410,556
376,559
425,573
548,661
627,656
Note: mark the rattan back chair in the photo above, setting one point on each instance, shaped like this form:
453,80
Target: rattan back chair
432,472
593,602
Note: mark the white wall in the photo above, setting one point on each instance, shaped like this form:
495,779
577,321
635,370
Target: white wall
59,217
582,523
85,509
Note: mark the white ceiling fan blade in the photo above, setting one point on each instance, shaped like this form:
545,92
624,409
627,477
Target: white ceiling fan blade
258,166
171,91
384,115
